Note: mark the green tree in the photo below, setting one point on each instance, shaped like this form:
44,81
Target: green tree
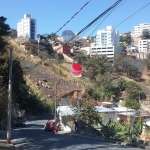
145,34
126,38
52,37
95,66
132,104
88,112
123,45
108,91
80,57
4,31
121,83
34,48
13,33
147,64
132,90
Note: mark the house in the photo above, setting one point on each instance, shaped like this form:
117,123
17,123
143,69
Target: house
105,104
106,113
62,48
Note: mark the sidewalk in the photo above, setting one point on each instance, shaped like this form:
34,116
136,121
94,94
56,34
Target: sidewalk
66,130
5,146
3,142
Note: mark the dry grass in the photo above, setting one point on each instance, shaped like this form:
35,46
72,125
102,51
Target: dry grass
32,85
59,70
21,51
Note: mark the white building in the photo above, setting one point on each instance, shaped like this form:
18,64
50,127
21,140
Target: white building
139,29
107,43
87,49
27,27
144,46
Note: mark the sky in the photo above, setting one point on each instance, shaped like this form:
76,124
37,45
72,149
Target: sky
53,14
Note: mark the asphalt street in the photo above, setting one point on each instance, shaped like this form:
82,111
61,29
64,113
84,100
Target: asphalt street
33,137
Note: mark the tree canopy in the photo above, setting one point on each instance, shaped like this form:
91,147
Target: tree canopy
145,34
4,31
126,38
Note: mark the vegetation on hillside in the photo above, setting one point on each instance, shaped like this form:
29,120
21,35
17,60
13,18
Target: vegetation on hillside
23,96
145,34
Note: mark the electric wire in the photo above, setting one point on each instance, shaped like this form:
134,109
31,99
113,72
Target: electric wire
100,16
72,17
107,16
132,15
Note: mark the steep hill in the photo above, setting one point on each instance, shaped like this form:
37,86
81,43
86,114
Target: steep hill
42,75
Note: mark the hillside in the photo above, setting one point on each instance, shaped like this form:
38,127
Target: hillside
42,75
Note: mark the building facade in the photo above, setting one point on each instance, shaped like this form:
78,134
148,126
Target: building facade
27,27
144,46
137,32
107,43
62,48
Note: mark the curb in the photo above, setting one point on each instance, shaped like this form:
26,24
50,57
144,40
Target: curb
4,145
138,145
96,139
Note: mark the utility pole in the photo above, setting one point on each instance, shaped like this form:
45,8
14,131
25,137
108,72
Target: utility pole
78,103
132,121
55,97
9,100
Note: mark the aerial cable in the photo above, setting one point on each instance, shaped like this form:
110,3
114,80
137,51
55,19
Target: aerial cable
106,17
101,15
72,17
132,15
97,18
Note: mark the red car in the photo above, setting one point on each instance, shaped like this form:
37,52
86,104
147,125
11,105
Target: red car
50,126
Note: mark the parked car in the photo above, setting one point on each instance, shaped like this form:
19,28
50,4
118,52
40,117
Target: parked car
50,126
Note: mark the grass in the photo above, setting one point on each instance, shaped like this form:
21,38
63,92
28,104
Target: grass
33,87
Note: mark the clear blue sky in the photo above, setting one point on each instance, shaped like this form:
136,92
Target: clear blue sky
52,14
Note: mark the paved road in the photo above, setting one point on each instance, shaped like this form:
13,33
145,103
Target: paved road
33,137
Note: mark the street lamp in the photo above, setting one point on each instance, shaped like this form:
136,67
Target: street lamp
9,100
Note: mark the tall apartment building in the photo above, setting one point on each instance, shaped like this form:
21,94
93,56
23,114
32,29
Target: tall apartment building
27,27
137,32
107,43
144,46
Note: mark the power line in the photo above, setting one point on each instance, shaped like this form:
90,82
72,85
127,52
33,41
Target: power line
107,16
72,17
100,16
132,15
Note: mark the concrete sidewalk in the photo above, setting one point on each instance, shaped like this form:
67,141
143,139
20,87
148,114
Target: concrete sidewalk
3,142
5,146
